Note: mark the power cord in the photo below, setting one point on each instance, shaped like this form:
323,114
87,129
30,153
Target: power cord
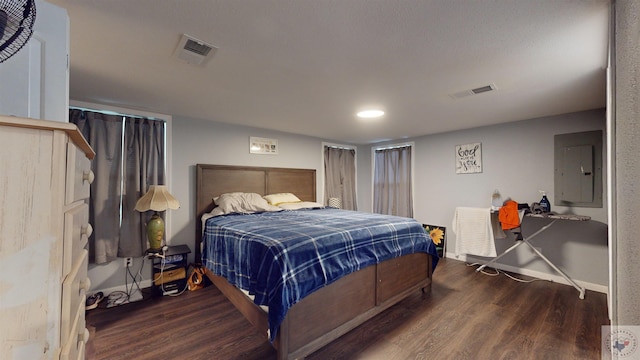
136,279
117,298
123,297
498,272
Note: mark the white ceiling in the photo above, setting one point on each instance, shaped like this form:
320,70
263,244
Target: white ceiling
307,66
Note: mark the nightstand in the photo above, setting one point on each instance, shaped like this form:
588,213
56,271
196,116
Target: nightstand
169,269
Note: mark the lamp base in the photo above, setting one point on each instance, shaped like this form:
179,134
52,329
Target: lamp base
155,232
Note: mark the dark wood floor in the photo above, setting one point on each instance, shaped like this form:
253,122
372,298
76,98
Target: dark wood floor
467,315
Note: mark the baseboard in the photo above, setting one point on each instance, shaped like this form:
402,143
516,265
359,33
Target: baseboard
533,273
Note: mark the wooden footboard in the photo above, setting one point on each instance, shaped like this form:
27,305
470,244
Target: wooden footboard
338,308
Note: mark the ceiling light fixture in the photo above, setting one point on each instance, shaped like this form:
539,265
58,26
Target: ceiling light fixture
368,114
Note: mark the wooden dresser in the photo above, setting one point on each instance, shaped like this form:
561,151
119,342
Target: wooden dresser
45,173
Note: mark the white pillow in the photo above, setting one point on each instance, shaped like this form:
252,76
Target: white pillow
215,199
301,205
281,198
244,203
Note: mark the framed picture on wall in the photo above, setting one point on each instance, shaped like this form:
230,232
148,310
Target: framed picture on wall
437,234
258,145
469,158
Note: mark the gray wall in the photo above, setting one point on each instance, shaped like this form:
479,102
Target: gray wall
627,131
517,159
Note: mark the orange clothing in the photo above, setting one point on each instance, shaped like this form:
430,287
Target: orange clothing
508,215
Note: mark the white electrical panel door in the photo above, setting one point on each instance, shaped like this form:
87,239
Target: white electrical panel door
577,174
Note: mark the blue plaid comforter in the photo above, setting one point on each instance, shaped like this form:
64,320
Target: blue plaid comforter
281,257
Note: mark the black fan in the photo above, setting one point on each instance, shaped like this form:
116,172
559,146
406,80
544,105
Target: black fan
16,25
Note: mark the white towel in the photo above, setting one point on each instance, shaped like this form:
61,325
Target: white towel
474,232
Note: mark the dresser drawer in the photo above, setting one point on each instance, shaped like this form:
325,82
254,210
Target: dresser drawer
76,235
74,290
79,175
73,347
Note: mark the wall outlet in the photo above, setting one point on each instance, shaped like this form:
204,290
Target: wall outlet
128,261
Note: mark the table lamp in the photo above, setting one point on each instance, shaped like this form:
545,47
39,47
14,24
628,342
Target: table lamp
157,199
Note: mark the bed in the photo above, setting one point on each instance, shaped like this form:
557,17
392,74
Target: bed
330,311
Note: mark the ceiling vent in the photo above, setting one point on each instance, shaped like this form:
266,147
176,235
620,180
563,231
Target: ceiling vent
194,51
475,91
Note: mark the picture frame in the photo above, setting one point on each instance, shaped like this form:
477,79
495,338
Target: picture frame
469,158
259,145
438,235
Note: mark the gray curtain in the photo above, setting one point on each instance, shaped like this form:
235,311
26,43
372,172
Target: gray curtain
104,134
144,165
340,176
120,182
392,182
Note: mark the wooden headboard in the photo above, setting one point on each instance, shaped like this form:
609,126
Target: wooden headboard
214,180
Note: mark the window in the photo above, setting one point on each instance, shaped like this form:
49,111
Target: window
340,175
392,180
130,156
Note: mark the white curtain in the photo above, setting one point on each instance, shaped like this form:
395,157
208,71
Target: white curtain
392,193
340,176
120,182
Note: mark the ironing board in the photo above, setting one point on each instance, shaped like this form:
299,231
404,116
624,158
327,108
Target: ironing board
522,240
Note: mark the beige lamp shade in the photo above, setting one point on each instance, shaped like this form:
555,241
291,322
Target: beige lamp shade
157,198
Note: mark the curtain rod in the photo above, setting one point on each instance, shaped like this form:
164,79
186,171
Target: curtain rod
109,112
393,147
340,147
